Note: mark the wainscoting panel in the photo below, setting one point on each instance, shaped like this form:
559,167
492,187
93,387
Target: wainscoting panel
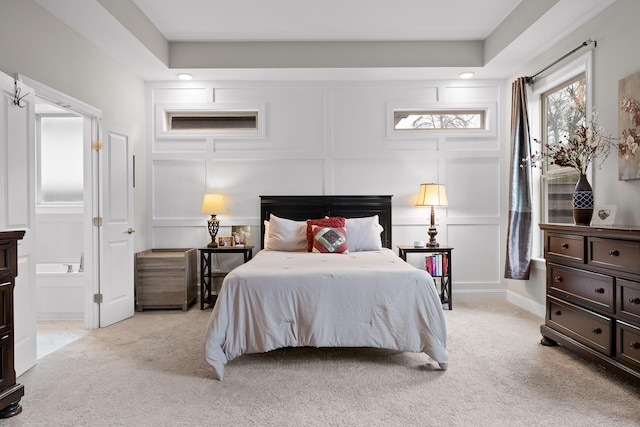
473,187
178,187
476,255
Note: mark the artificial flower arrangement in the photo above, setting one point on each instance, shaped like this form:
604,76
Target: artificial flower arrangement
577,150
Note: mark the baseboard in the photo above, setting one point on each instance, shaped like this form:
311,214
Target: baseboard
526,304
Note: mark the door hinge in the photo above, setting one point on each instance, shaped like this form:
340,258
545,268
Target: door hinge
97,221
96,145
97,298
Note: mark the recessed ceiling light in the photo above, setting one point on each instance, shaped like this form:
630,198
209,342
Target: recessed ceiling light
467,75
185,76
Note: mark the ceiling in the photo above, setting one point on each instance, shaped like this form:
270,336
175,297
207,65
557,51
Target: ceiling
328,39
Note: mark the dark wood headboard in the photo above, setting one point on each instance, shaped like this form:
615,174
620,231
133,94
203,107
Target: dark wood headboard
301,208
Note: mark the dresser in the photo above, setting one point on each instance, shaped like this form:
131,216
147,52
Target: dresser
593,294
10,392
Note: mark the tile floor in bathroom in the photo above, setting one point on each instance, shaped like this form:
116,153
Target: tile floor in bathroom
55,334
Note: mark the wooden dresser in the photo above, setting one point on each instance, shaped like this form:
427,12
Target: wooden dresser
593,294
10,392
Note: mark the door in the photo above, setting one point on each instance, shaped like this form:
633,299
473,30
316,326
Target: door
115,168
17,207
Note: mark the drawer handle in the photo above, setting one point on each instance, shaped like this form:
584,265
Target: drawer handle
634,345
634,300
599,290
614,252
4,337
564,246
596,331
558,279
558,313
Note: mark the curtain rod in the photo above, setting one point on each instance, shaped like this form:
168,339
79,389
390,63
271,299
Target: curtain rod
584,44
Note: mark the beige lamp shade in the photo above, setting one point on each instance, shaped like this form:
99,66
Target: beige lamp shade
432,195
212,204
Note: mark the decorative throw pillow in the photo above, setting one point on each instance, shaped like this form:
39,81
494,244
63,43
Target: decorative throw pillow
331,221
329,240
363,234
286,235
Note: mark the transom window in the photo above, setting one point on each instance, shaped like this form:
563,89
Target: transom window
439,120
211,120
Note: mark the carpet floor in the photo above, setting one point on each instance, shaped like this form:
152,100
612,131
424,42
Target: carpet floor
149,370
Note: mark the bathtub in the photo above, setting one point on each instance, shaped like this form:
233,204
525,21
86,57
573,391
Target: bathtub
59,295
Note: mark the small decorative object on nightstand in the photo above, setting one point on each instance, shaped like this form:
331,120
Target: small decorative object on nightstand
208,272
438,264
213,204
432,195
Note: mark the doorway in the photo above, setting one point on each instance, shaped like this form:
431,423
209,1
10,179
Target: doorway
84,201
62,279
106,209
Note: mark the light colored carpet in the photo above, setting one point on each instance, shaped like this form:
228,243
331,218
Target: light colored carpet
149,370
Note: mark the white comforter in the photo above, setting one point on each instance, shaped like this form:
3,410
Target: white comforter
294,299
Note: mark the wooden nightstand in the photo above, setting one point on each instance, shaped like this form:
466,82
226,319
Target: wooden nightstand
443,274
207,274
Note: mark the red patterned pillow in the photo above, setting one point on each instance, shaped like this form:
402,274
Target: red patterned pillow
329,239
331,221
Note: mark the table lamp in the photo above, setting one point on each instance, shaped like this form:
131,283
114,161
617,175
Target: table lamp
432,195
213,204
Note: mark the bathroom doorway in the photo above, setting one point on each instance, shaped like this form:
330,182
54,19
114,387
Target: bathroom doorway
60,256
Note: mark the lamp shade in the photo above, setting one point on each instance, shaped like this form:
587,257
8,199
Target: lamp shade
212,204
432,195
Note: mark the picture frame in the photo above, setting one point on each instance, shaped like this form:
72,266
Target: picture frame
604,215
226,242
241,234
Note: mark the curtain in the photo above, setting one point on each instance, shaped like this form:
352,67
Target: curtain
519,228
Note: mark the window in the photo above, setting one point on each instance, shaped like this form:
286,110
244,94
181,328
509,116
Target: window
60,152
212,120
219,120
563,108
439,120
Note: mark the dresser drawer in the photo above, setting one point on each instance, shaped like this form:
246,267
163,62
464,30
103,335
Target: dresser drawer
628,349
617,254
589,328
580,286
565,247
628,300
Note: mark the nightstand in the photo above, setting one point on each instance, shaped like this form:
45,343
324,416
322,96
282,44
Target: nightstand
207,274
442,270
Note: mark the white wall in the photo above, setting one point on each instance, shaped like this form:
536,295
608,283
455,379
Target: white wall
614,58
36,44
333,138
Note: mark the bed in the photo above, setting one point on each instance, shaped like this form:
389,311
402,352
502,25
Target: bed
289,297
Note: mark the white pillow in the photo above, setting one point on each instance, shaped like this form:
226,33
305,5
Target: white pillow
286,235
266,234
363,234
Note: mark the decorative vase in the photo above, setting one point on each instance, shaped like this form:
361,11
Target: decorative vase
582,202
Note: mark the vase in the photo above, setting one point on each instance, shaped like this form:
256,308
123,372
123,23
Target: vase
582,202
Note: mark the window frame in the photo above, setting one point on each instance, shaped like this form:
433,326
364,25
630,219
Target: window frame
563,76
488,108
164,111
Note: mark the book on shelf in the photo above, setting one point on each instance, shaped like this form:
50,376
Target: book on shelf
437,265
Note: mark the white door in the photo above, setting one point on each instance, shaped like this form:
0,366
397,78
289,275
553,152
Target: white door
115,167
17,208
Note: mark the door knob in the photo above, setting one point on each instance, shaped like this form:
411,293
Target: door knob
131,231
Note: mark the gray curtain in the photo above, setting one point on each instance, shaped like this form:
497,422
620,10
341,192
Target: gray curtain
519,230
